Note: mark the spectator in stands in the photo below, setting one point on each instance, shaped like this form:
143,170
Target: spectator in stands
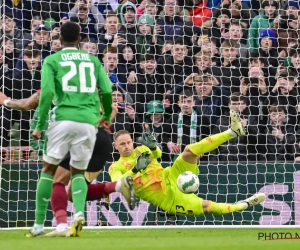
147,6
262,63
110,62
5,77
105,6
288,25
240,12
154,119
149,40
182,9
127,65
53,26
279,135
149,86
8,46
129,20
9,28
51,9
190,35
18,10
230,68
235,33
25,83
200,12
90,46
261,22
240,148
171,24
218,27
209,101
175,67
41,40
121,3
295,60
267,47
206,45
88,17
165,50
126,118
285,54
35,21
110,37
202,62
285,94
186,127
167,47
256,88
55,44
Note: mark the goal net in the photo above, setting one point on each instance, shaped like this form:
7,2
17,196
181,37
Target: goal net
177,68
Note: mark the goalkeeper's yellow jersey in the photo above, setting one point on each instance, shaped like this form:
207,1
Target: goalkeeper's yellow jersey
148,184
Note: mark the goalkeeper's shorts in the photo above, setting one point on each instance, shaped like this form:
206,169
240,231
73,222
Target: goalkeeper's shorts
102,153
184,204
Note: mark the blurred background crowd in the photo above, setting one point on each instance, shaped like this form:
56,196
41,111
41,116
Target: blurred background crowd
177,67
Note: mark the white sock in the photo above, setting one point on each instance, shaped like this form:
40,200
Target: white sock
62,227
232,133
118,186
246,205
39,227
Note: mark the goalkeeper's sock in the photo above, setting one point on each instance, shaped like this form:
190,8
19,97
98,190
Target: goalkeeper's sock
79,191
59,203
100,190
212,142
224,208
43,194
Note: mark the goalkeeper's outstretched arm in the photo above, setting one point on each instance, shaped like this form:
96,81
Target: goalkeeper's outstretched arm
118,170
22,104
149,141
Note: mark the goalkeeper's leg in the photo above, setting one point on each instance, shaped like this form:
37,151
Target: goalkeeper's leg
191,204
193,151
210,207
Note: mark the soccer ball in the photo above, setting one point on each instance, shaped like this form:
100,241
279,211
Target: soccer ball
188,182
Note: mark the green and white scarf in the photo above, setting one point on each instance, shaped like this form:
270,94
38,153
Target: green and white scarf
193,130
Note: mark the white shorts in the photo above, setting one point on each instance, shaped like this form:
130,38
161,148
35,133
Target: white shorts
68,136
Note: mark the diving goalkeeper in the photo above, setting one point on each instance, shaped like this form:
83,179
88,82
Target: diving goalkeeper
158,186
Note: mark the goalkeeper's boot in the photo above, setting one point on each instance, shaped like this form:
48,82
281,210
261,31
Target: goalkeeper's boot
77,225
60,231
35,231
254,200
127,191
236,125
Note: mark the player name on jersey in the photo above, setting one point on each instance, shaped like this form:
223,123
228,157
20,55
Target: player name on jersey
75,56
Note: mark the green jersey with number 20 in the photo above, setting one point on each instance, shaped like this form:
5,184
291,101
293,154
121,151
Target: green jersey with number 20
71,76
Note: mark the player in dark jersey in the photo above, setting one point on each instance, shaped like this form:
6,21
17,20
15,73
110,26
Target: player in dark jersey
101,154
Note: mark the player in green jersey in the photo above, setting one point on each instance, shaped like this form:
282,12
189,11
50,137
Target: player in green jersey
71,76
158,185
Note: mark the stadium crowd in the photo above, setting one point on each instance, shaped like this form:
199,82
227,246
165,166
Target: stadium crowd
176,68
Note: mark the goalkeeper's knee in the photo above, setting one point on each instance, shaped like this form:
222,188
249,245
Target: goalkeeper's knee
188,156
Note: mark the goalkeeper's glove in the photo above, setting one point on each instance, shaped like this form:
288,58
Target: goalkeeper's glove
142,162
148,140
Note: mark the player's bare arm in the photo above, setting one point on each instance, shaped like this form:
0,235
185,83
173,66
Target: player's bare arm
107,124
22,104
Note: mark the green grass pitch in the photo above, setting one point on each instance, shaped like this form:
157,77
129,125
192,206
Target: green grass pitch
153,239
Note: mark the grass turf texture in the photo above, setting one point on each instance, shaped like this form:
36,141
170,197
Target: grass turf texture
153,239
